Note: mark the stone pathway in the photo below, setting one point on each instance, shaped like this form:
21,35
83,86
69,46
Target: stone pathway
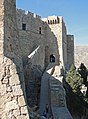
47,82
44,96
61,113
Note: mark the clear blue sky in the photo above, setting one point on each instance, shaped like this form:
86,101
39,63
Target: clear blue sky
75,13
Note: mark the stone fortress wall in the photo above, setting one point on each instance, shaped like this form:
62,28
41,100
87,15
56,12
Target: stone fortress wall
26,44
40,39
12,84
30,38
70,50
52,39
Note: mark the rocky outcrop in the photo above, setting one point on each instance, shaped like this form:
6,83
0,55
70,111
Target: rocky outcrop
81,55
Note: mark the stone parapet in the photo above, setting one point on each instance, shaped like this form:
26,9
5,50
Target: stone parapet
27,13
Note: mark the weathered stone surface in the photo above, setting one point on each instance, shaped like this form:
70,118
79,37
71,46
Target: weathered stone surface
39,44
1,45
21,117
9,89
2,72
16,112
17,90
5,81
13,69
5,98
7,61
9,115
2,89
21,101
1,59
24,110
11,105
14,80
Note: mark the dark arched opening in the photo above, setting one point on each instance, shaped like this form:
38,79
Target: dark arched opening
52,58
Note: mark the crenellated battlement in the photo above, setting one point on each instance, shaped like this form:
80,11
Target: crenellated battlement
53,19
28,13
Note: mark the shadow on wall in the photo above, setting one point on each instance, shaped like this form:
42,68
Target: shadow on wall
12,84
51,47
32,71
13,75
53,93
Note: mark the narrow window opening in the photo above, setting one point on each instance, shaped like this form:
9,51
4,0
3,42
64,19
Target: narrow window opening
52,58
11,47
48,22
40,30
53,21
23,26
58,19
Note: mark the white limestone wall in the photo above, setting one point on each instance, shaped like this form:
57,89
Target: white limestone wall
57,30
30,38
12,89
70,50
52,44
64,43
1,31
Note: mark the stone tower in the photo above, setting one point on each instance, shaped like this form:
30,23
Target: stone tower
57,26
12,87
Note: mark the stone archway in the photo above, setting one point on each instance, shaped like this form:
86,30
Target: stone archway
52,58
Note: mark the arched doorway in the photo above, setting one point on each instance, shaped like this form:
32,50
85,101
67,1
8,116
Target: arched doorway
52,58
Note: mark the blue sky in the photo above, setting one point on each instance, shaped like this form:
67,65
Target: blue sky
75,13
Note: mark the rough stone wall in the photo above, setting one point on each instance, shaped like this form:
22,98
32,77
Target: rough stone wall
58,28
12,89
16,45
1,30
81,55
51,40
32,52
64,43
51,45
30,38
57,93
70,50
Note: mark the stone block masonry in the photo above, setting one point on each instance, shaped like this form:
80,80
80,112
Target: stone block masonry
12,86
20,35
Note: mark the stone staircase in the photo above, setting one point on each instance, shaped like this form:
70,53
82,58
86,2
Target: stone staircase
53,94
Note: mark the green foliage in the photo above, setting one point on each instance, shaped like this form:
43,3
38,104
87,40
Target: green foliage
76,101
83,72
74,79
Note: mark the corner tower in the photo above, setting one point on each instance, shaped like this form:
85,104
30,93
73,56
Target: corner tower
12,88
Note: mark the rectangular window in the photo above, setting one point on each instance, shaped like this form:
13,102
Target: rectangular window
40,30
23,26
